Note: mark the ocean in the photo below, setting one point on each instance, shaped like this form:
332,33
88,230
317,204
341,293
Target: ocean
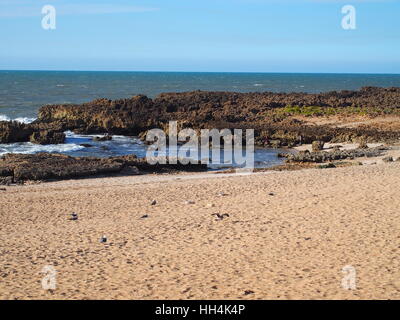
23,92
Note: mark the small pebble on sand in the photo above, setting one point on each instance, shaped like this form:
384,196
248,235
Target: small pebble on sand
103,239
154,202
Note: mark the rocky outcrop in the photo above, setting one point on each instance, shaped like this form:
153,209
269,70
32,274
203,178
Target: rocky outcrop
317,146
325,156
47,137
200,109
12,131
104,138
16,168
123,116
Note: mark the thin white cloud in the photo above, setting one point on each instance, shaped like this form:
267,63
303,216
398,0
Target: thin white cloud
28,9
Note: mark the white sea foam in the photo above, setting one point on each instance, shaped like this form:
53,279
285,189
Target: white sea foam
20,119
30,148
4,118
25,119
117,138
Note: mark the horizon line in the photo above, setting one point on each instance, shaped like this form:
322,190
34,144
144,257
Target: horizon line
174,71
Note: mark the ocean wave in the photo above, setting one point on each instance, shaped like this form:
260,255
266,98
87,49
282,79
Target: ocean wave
31,148
116,138
3,117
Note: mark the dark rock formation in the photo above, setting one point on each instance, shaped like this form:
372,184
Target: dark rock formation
317,146
15,168
47,137
324,156
198,110
362,144
104,138
12,131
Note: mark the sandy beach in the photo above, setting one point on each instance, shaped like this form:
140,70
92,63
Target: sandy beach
288,236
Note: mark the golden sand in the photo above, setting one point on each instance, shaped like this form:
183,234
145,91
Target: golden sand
288,236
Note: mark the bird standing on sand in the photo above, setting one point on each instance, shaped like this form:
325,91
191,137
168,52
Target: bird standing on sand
74,216
220,216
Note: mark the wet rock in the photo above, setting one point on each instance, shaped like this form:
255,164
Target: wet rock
46,166
47,137
12,131
86,145
200,109
104,138
324,156
327,166
130,171
387,159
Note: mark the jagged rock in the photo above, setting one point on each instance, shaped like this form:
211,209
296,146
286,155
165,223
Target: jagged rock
12,131
104,138
327,166
47,137
387,159
363,144
317,146
199,110
130,171
6,181
324,156
45,166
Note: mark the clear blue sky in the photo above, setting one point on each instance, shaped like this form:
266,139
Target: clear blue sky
201,35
